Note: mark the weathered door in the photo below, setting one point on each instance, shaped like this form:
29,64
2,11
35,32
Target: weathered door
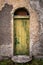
21,35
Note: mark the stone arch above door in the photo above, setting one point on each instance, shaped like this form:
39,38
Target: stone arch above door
21,11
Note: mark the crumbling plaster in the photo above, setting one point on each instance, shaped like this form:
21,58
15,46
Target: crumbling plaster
35,11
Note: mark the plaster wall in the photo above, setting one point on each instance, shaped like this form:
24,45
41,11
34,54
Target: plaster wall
7,10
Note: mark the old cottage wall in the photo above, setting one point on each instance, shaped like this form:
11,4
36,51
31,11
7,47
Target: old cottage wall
38,7
5,30
7,9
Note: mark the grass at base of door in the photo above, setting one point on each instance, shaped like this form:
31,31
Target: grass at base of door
6,62
33,62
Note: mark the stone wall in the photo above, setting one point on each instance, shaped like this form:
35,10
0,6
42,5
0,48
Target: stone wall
5,30
7,9
38,7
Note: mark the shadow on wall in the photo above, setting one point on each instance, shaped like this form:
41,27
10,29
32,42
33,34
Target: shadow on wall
5,24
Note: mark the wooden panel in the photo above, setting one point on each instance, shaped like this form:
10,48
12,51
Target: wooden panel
21,35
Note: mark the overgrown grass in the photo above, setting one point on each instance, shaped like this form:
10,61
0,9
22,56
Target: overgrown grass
33,62
6,62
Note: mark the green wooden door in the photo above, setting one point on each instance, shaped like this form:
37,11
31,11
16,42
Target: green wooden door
21,35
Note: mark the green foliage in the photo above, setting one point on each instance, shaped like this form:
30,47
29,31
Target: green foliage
6,62
33,62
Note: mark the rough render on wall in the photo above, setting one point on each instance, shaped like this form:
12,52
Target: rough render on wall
7,9
37,5
5,30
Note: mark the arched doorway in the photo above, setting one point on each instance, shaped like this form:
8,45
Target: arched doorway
21,31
